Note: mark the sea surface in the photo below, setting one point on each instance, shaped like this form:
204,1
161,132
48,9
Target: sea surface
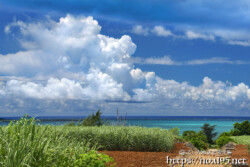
184,123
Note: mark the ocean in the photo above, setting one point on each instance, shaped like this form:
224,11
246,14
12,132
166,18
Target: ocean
184,123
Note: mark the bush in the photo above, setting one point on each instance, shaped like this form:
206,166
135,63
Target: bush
199,140
241,128
199,143
188,135
225,134
222,140
94,159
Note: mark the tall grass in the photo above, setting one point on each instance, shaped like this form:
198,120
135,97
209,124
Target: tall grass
122,138
241,139
24,143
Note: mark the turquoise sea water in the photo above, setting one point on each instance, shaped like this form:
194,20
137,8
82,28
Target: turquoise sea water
223,124
184,125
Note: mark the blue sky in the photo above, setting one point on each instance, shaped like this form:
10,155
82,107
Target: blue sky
144,57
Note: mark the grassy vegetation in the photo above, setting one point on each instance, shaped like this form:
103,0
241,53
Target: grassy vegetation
242,140
122,138
119,137
24,143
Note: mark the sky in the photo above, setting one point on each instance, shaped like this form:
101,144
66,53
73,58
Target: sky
142,57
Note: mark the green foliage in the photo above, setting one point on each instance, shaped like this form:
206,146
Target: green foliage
70,124
188,135
64,152
175,131
122,138
209,132
94,159
241,128
225,134
222,140
24,143
199,143
242,139
199,140
93,120
213,146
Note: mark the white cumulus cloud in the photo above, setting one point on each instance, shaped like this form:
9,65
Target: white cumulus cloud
71,60
161,31
140,30
194,35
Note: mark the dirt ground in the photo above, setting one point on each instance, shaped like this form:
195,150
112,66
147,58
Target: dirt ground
241,151
158,159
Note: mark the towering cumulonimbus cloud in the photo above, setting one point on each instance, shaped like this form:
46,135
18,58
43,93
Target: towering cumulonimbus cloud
71,60
73,49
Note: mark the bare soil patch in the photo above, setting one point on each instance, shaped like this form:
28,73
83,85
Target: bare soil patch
241,151
158,159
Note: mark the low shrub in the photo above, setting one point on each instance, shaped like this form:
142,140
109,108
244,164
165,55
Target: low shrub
225,134
188,135
199,140
222,140
94,159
